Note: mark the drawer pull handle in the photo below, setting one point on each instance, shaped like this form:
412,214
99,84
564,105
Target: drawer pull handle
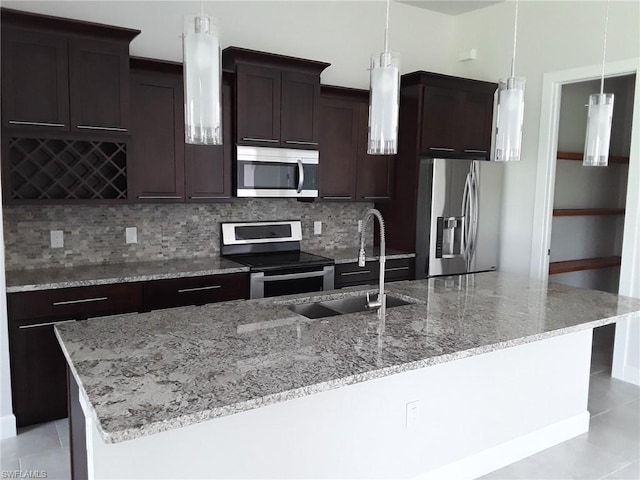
198,289
46,324
36,124
108,129
159,197
297,142
253,139
395,269
82,300
376,198
441,149
345,197
472,150
363,272
204,197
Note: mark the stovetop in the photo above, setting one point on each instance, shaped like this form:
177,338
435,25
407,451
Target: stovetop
282,260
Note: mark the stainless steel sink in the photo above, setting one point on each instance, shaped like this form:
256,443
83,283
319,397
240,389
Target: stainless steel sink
342,306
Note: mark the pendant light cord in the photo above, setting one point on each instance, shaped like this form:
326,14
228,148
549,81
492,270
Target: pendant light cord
604,46
202,8
386,30
515,40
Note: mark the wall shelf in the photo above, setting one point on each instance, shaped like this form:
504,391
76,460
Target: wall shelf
583,264
578,156
574,212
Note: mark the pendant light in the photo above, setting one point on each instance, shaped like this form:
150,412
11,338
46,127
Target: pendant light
384,100
202,80
599,118
508,111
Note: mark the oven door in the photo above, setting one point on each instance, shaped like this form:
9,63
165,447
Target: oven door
291,280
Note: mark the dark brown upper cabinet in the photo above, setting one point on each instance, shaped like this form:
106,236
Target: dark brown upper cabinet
347,172
99,82
62,75
456,115
162,168
276,98
208,167
156,153
35,80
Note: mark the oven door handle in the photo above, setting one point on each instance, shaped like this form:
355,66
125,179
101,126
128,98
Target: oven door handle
300,176
260,277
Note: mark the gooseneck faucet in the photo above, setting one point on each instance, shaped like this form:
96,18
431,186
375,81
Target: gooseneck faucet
381,302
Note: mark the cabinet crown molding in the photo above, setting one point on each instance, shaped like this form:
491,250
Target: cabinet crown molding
21,19
232,56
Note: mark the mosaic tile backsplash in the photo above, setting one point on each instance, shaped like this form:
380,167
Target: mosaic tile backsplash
96,234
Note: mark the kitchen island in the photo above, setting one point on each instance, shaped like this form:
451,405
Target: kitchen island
475,373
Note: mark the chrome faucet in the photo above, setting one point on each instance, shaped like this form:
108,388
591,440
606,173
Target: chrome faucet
380,303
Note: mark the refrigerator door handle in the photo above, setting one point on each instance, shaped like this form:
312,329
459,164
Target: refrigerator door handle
475,211
466,205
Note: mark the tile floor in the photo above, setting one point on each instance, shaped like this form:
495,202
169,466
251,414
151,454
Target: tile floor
610,450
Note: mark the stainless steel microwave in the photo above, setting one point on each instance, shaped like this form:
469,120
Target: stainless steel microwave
276,172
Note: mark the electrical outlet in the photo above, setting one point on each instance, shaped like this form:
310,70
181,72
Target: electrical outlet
412,414
131,234
57,239
317,228
359,226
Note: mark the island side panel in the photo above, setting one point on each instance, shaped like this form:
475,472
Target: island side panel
77,430
475,414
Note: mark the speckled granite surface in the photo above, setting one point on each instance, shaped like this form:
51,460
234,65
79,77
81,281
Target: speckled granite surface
157,371
350,255
63,277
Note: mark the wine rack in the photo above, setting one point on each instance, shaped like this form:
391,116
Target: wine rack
58,169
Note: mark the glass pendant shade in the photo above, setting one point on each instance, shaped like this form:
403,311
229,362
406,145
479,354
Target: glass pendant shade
384,101
508,114
600,116
202,78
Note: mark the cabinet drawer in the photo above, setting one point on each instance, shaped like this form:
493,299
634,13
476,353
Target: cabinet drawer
349,274
195,290
74,303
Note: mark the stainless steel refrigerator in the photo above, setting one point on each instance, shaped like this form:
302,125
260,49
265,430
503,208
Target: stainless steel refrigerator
458,216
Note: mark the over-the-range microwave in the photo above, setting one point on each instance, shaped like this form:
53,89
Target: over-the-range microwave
276,172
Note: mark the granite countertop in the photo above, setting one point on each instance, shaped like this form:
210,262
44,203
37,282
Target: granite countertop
82,276
350,255
146,373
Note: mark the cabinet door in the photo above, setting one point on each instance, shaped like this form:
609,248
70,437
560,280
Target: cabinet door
338,148
474,118
299,116
35,80
99,82
438,121
208,167
38,374
374,173
258,106
156,160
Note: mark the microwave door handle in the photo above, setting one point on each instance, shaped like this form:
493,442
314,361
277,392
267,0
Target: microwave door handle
300,176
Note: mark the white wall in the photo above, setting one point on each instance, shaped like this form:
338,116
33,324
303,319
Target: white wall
7,420
344,34
552,36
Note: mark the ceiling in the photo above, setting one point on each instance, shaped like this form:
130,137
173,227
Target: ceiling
451,7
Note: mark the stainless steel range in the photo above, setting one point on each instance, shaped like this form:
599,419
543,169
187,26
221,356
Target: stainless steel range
272,252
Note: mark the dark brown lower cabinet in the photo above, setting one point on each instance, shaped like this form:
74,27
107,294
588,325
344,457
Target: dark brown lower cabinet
350,274
38,366
195,290
38,373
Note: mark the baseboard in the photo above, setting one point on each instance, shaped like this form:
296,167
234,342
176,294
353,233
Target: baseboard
628,374
512,451
7,426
